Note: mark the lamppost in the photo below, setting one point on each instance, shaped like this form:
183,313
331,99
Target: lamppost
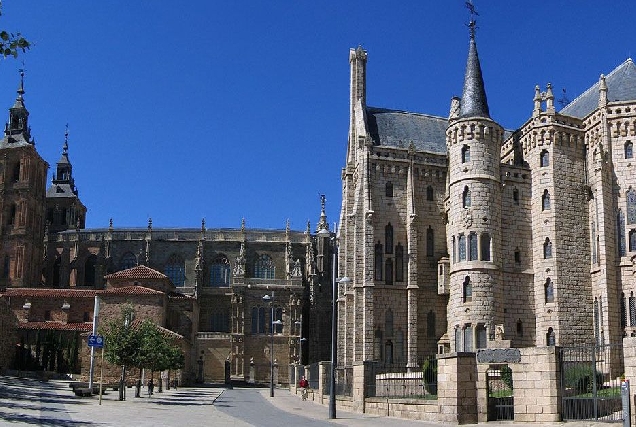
299,323
273,323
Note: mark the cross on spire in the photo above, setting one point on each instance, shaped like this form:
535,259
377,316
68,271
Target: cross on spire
472,24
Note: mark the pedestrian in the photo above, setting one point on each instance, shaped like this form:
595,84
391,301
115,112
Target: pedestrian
151,386
304,385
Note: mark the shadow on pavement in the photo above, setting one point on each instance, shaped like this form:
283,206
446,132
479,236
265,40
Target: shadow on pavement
29,419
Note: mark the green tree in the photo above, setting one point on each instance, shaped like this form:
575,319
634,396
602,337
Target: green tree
12,43
122,344
157,352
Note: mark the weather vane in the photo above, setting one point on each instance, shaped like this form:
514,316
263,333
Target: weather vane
472,25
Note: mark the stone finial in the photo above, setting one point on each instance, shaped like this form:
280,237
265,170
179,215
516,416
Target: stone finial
602,91
455,106
308,229
537,101
287,226
110,225
323,225
243,224
549,99
149,224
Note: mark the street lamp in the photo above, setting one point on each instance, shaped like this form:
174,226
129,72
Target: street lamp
270,299
299,323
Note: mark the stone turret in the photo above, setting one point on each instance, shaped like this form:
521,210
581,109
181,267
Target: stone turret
474,215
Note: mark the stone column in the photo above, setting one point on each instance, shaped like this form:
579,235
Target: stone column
324,376
457,390
629,359
536,380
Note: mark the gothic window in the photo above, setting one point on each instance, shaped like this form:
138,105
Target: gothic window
472,245
430,324
548,290
258,320
547,249
550,338
89,270
485,247
429,193
462,247
16,172
378,261
468,338
467,291
623,312
466,197
388,351
632,309
515,196
482,336
545,201
220,272
545,158
128,260
631,206
399,263
629,150
519,328
264,267
458,340
632,240
5,267
388,238
175,270
388,271
465,154
620,224
388,189
430,242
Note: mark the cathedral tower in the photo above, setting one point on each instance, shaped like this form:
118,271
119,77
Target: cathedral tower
474,214
22,185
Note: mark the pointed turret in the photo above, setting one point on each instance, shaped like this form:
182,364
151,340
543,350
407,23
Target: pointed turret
473,102
18,126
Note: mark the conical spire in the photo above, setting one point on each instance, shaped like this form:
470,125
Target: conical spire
474,102
323,225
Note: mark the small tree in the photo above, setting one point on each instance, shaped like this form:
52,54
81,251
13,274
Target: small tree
10,43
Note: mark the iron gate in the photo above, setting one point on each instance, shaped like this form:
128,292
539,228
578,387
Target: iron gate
501,404
590,382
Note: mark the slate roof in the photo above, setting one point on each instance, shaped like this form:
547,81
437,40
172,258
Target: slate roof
396,128
61,190
621,86
138,272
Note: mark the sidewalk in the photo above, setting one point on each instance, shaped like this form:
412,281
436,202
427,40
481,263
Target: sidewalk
288,402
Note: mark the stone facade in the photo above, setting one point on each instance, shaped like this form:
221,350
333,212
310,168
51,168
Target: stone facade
457,234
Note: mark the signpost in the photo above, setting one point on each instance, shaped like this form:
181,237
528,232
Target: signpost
97,341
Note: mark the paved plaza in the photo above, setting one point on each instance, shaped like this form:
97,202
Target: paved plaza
33,402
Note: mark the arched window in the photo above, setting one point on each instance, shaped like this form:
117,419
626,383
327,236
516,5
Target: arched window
220,272
399,263
485,247
631,206
430,242
461,242
89,270
388,238
258,320
378,261
620,225
429,193
472,246
467,290
550,337
465,154
632,240
515,196
545,201
547,249
430,324
519,328
458,340
629,150
128,260
466,197
175,270
264,267
517,256
388,271
388,189
482,336
545,158
548,290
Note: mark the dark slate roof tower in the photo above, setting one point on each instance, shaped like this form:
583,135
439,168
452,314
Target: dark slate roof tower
474,102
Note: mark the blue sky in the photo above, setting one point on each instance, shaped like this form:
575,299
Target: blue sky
239,109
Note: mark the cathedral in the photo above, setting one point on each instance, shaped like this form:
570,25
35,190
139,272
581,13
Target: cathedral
459,235
219,291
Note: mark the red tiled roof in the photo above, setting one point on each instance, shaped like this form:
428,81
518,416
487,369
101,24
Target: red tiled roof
130,290
57,326
138,272
49,293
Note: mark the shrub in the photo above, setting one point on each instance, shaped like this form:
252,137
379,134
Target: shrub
580,378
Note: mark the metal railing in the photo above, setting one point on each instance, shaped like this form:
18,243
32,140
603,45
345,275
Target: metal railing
398,381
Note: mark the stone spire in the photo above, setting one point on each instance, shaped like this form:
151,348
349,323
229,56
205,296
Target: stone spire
19,115
473,102
323,225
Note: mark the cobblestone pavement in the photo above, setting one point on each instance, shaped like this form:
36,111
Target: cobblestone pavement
33,402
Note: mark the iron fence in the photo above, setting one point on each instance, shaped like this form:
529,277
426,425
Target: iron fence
400,381
344,381
314,376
